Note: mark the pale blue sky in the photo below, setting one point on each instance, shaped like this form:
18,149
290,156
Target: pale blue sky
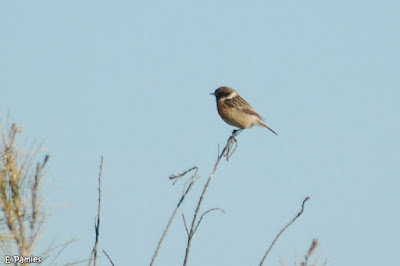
131,80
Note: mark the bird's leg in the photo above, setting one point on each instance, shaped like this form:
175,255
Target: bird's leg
236,132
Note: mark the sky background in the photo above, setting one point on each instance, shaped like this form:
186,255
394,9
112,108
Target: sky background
130,80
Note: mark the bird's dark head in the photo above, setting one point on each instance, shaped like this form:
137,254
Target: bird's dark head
224,93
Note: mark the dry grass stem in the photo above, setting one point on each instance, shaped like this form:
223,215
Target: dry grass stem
186,189
108,257
46,255
227,152
185,224
283,230
93,256
21,214
204,214
314,245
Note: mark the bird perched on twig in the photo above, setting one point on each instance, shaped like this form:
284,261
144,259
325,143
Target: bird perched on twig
235,111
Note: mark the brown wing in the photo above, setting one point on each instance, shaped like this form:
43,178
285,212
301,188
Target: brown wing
240,104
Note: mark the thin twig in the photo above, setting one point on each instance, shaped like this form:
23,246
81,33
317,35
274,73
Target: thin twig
227,152
184,222
52,248
177,177
283,230
97,220
186,190
108,257
231,149
204,214
314,245
35,189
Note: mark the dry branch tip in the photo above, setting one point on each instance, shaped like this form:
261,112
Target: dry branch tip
283,230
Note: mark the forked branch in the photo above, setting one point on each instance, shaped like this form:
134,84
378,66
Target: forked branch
186,189
227,152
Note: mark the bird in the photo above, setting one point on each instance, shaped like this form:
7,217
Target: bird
235,111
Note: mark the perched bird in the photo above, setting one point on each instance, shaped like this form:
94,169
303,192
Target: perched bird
235,111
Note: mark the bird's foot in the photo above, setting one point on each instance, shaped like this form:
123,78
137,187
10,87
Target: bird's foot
236,132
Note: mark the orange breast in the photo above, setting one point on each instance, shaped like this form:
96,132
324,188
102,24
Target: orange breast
234,117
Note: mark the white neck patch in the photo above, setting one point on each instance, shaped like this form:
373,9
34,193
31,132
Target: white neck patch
230,96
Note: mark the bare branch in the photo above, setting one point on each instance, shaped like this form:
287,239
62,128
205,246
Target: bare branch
231,149
227,152
97,220
283,230
108,257
186,190
35,190
190,181
172,177
184,222
204,214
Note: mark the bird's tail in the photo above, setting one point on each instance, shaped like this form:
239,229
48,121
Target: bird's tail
264,125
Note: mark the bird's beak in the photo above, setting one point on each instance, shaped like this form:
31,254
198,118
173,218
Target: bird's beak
213,93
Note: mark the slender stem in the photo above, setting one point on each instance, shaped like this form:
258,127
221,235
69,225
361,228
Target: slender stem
192,180
225,152
97,220
283,230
